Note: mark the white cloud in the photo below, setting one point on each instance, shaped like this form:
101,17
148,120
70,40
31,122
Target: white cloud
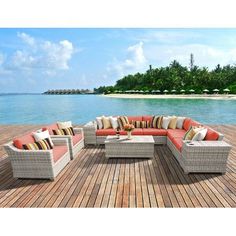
23,60
26,38
204,55
3,71
58,55
135,61
166,37
41,54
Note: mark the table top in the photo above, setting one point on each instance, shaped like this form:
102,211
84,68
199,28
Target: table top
124,139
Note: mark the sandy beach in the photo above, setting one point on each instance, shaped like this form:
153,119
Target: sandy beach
175,96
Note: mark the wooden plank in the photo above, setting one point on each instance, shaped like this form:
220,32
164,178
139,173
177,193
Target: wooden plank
156,187
108,188
93,181
191,195
146,199
139,195
49,186
97,202
132,187
112,198
170,192
125,202
120,187
151,192
63,188
71,197
178,189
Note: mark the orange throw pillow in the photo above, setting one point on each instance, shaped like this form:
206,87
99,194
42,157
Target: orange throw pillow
18,144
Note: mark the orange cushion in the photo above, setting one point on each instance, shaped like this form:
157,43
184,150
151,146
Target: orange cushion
147,118
135,118
175,133
211,135
178,142
155,132
186,123
76,138
18,142
189,122
136,131
105,132
50,128
58,152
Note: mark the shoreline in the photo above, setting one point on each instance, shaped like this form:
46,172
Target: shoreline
174,96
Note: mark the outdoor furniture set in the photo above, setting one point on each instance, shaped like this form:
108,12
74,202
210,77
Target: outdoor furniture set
44,153
207,156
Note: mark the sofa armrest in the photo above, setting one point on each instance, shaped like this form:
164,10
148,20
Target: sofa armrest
90,132
207,148
17,150
221,137
206,144
79,131
60,140
17,155
90,125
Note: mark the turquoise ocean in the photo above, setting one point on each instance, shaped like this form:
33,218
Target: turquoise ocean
46,109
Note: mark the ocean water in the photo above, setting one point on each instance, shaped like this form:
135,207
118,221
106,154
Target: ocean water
43,109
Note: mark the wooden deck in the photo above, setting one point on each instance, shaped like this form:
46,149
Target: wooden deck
92,181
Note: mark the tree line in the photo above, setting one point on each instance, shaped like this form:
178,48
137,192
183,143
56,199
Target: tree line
177,78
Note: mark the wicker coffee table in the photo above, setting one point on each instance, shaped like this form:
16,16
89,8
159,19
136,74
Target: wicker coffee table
137,147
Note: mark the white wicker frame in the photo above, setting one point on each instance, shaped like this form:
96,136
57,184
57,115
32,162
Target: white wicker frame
129,148
36,164
91,138
204,156
90,133
74,149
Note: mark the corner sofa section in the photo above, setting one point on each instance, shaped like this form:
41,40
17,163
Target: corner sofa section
207,156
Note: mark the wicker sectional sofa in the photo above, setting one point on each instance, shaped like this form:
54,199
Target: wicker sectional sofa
209,155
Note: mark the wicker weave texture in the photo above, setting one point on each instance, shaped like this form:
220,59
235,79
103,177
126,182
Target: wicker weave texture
205,156
73,149
130,149
90,133
35,163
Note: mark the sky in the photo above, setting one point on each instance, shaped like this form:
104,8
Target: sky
35,60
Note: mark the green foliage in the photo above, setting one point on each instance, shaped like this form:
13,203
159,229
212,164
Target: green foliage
177,77
232,88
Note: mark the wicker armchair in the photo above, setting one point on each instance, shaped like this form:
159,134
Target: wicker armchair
38,164
74,147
